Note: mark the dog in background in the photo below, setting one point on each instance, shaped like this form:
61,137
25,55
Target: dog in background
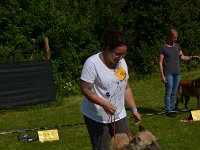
143,140
186,89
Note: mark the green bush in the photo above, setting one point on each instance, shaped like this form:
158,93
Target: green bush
74,28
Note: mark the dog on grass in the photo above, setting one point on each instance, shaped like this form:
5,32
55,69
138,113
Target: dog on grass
143,140
186,89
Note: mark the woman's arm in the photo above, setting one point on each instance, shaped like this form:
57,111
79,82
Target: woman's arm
131,103
161,58
183,57
86,89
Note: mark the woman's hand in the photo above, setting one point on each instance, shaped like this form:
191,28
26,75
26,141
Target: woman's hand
137,118
164,79
109,108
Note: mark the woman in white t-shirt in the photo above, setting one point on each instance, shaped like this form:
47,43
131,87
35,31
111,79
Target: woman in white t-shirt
104,84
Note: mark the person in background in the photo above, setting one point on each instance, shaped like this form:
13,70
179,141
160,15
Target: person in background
169,65
104,84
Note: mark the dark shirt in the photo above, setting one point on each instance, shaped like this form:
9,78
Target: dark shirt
171,62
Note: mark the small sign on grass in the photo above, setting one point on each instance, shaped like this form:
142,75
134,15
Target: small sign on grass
196,115
48,135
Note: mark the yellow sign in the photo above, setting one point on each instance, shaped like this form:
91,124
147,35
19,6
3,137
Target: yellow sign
48,135
120,73
196,115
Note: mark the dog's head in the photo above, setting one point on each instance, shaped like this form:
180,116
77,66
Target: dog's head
145,140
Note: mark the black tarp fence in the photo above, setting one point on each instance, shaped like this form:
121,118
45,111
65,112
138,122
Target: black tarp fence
26,83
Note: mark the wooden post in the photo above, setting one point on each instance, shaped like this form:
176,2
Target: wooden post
48,53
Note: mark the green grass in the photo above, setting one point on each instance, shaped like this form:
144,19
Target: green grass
172,134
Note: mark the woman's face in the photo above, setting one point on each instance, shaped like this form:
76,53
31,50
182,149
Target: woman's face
174,37
117,54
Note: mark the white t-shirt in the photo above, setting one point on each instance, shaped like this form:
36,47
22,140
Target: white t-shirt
107,86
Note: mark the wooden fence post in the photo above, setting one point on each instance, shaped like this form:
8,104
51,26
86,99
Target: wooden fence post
48,53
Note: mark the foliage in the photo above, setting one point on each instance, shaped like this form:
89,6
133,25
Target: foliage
74,29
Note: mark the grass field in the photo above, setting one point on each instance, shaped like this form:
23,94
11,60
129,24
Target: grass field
171,133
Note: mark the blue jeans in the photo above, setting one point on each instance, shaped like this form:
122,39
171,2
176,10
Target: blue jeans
170,91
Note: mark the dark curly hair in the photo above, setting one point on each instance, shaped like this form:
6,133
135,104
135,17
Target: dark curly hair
112,38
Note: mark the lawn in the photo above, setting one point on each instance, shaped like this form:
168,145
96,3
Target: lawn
171,133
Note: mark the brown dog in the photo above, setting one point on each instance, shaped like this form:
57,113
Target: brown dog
143,140
186,89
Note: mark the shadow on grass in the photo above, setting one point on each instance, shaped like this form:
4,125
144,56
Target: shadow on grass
144,110
159,111
150,111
